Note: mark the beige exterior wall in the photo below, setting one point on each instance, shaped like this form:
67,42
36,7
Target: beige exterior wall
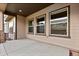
71,43
20,27
1,21
3,6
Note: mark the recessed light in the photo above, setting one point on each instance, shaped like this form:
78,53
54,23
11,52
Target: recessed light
20,10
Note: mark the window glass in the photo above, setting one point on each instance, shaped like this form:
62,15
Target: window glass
30,26
41,24
30,29
58,22
31,23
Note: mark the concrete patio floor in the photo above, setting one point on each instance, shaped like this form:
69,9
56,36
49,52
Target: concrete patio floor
31,48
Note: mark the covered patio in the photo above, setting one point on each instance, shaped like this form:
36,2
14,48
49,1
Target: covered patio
34,29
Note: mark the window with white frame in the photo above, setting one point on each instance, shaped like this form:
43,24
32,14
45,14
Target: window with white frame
59,22
41,24
30,26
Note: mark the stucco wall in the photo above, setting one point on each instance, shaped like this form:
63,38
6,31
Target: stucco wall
1,21
20,27
71,43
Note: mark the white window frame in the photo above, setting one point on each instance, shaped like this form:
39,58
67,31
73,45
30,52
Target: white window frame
68,23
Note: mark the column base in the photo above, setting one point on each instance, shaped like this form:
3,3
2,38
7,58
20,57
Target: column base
73,53
2,37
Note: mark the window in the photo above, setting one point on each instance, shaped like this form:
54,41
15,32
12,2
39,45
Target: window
59,22
41,24
30,26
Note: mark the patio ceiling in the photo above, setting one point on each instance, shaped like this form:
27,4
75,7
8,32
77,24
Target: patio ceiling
24,9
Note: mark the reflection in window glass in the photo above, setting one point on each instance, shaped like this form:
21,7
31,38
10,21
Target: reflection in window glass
30,29
40,29
59,22
41,25
31,23
30,26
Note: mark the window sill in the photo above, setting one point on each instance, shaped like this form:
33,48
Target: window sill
42,34
31,33
62,36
